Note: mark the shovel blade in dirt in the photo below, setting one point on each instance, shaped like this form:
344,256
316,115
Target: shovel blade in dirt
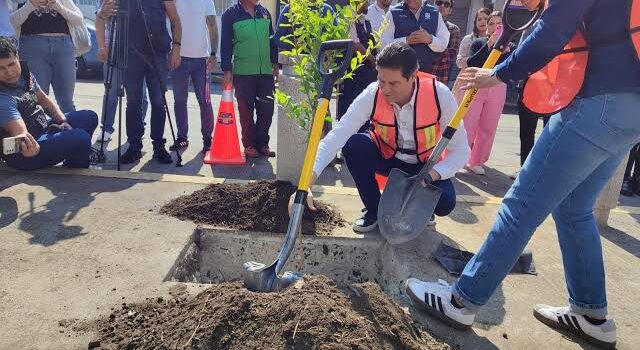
259,277
405,207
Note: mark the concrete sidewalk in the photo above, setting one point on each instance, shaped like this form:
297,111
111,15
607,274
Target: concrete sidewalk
76,246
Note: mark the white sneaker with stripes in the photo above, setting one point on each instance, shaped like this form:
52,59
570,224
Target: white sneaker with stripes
603,335
435,299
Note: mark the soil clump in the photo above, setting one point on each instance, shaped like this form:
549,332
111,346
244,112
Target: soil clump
312,314
261,206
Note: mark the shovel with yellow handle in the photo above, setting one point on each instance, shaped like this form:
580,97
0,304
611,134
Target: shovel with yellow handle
259,277
406,204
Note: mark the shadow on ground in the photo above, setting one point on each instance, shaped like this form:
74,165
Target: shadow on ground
49,223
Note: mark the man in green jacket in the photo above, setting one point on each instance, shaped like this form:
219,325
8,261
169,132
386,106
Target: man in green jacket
249,59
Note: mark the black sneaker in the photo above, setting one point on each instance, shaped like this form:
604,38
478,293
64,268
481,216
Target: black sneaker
205,148
181,144
130,156
627,187
96,157
366,223
162,156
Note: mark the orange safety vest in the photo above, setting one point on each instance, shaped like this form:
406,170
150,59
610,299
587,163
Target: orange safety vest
426,116
555,86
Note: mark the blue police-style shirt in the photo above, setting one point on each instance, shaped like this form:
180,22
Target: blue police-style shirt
613,63
406,23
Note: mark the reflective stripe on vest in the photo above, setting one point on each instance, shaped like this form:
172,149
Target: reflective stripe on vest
426,114
555,86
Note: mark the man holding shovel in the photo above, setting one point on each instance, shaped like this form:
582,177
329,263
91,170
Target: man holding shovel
573,160
407,110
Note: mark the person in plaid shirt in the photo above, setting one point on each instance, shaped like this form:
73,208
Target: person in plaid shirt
443,61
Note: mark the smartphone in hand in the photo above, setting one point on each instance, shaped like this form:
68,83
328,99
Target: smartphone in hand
12,145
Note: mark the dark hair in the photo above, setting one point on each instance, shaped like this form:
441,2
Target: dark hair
494,14
398,55
7,47
484,10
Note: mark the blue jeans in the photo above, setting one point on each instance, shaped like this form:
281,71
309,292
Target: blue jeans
51,59
573,160
364,160
137,71
71,146
112,98
196,68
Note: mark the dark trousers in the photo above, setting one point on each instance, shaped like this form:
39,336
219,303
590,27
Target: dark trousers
255,92
140,68
633,164
528,124
196,69
351,88
364,161
70,146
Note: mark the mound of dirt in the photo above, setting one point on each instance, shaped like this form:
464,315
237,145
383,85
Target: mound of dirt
260,206
313,314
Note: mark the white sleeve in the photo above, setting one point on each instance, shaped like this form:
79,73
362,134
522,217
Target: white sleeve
463,52
210,8
387,36
357,114
353,33
441,38
458,151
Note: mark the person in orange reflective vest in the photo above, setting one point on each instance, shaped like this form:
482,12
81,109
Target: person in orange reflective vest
407,110
573,160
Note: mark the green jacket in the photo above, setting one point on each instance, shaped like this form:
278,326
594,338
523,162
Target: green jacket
248,40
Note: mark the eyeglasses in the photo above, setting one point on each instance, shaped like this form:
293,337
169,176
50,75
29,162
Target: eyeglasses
446,4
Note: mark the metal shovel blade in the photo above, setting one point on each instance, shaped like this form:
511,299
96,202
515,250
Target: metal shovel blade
405,207
259,277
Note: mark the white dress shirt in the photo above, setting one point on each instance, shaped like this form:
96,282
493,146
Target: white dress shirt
360,111
375,15
440,38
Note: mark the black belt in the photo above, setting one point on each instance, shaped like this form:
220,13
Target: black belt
406,151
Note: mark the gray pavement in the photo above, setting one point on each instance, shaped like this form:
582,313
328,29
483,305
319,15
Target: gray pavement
73,247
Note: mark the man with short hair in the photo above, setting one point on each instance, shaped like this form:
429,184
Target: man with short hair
376,13
419,25
408,111
152,52
443,61
249,59
48,136
198,59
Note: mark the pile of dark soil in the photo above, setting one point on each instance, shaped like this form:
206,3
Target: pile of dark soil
260,206
313,314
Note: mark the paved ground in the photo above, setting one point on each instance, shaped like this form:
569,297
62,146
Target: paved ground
75,244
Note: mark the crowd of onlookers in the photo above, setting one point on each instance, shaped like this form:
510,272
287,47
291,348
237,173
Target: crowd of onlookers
48,35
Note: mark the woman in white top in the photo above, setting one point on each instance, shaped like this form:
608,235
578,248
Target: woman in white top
479,30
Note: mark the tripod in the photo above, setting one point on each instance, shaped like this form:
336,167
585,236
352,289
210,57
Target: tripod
118,62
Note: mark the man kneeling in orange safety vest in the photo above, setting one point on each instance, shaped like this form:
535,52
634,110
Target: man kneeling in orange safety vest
407,109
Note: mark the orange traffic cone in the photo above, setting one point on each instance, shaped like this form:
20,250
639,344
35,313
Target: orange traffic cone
225,146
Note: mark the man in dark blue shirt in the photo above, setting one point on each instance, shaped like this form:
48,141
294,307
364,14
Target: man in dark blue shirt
577,154
47,136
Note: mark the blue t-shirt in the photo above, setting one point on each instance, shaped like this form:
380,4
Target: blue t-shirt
9,102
